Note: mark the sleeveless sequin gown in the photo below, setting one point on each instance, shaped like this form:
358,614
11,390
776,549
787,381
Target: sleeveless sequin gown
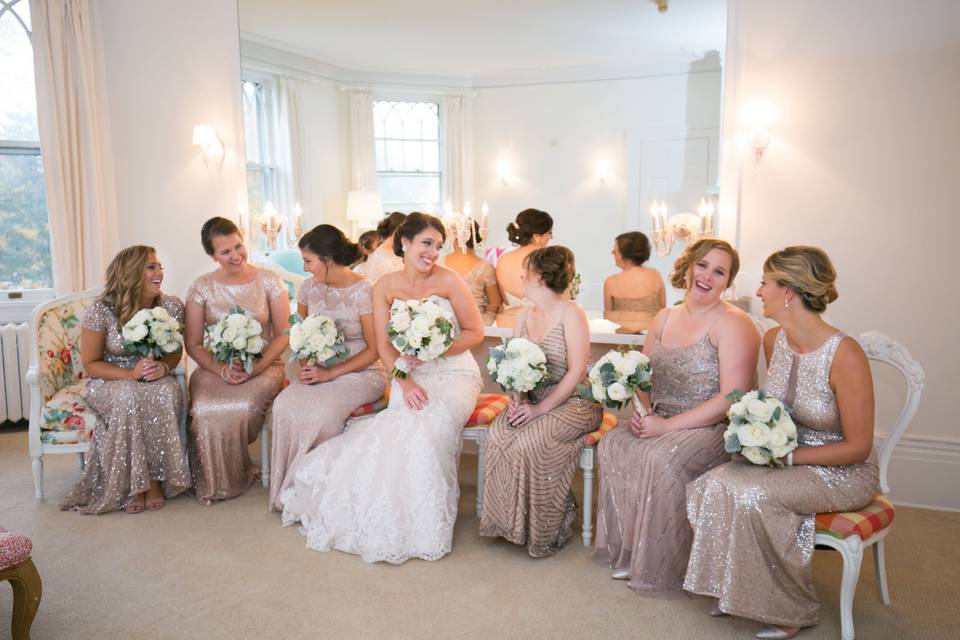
754,526
641,514
387,488
529,470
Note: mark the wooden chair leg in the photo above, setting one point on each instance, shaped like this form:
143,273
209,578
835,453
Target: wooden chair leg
27,591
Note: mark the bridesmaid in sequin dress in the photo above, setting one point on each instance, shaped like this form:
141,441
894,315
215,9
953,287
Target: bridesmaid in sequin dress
479,274
228,405
633,297
532,230
315,406
754,526
384,260
136,457
699,352
533,447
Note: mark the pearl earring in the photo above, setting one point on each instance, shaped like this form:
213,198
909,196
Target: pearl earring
786,303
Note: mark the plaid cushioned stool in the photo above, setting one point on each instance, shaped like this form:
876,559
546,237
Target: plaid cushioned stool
17,567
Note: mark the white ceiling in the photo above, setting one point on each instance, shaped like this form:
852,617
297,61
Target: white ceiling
486,37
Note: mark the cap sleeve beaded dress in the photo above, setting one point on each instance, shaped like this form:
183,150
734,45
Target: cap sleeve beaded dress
137,437
298,424
753,526
225,418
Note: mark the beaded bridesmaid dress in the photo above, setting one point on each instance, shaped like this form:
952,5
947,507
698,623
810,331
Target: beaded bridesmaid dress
641,518
304,415
635,314
226,418
137,438
754,526
529,470
478,279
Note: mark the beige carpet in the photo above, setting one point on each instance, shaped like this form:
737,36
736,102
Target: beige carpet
231,571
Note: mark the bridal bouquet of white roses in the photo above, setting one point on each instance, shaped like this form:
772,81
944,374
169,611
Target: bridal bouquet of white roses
152,333
760,429
518,365
616,377
419,329
316,339
235,336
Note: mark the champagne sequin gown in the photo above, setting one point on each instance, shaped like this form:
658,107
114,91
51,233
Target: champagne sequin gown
529,469
304,415
137,438
226,418
754,526
641,510
481,276
635,314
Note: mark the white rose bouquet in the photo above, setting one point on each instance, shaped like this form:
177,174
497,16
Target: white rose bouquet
518,365
574,288
316,339
760,430
152,333
419,329
235,336
616,377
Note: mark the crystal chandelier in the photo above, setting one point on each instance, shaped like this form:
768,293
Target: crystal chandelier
463,226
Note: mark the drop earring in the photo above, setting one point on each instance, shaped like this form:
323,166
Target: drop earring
786,303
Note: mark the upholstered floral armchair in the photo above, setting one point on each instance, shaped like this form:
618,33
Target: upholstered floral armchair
60,420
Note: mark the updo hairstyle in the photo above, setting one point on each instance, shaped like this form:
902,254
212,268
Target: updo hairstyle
695,252
556,265
214,227
388,225
807,271
412,225
329,243
634,247
529,222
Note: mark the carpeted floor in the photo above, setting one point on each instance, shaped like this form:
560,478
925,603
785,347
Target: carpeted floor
231,571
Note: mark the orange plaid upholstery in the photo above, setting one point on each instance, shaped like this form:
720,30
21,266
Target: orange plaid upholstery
874,517
608,423
373,407
489,406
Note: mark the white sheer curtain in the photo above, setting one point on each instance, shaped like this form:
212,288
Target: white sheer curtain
282,113
456,131
363,164
71,142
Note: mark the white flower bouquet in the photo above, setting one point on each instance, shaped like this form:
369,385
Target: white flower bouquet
518,365
616,377
316,339
760,429
152,333
419,329
235,336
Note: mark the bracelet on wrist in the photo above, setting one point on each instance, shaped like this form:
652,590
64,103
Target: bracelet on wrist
223,369
790,459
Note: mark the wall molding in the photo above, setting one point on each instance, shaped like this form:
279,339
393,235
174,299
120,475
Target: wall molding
925,472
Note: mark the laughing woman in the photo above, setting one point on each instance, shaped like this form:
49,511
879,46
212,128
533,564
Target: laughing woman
227,404
136,457
699,352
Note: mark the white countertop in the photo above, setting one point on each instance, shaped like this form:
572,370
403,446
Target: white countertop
596,337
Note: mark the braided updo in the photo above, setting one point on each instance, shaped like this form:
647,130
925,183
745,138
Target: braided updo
555,264
808,271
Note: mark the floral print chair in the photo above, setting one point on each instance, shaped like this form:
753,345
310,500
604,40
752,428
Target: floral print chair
60,420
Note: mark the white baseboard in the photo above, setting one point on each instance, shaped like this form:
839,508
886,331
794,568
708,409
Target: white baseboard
925,472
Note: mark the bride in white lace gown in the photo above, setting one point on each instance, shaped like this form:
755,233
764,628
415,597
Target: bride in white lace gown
387,488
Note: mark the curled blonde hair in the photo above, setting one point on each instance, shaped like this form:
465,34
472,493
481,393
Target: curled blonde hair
695,252
808,271
124,281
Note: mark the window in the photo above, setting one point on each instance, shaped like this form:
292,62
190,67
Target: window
260,174
407,137
24,226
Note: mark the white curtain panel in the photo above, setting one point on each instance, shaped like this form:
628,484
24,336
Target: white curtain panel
456,132
71,141
282,114
363,164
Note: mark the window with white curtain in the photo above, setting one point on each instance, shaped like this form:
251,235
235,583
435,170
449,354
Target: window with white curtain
407,138
24,225
261,175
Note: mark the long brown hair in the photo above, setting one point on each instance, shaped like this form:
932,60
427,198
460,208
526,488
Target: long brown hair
125,281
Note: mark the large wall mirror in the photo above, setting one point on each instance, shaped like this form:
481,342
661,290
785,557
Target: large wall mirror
590,111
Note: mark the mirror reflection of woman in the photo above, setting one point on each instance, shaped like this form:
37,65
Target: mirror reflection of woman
699,352
532,230
227,404
136,459
634,296
479,274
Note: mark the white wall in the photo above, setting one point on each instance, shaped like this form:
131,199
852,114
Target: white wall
863,163
168,66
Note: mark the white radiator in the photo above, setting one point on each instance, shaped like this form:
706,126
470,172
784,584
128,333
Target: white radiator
14,358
